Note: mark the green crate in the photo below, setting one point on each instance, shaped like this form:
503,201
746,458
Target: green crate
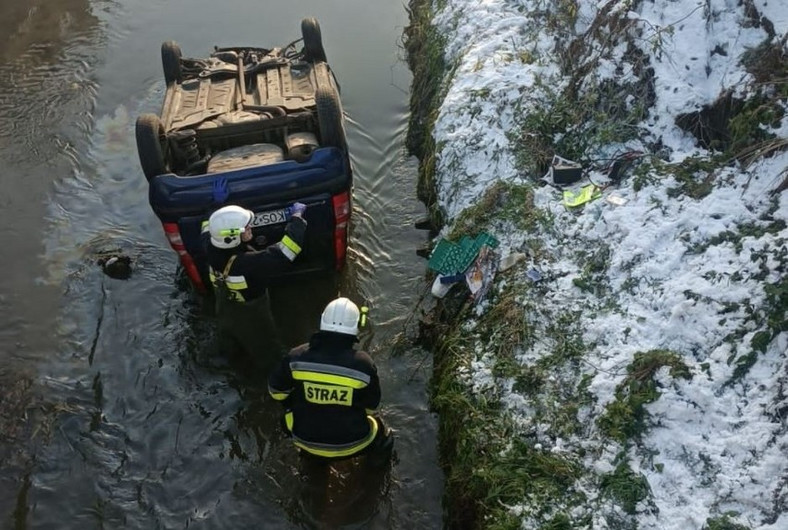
450,258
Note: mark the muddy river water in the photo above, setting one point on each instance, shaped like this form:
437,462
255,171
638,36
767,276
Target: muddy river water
117,410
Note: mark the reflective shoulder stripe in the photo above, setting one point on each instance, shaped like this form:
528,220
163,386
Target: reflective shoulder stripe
301,375
329,373
279,396
289,248
204,226
338,450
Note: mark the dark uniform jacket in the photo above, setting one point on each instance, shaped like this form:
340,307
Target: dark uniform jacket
248,276
329,390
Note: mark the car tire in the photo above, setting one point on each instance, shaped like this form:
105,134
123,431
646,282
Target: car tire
151,145
171,62
329,115
313,40
324,77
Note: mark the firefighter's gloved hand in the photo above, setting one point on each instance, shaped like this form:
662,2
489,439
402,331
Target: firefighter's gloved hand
298,209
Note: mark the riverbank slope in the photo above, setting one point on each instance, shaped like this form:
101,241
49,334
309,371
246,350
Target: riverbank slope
629,370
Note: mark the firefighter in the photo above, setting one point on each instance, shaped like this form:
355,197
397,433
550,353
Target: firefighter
240,275
330,392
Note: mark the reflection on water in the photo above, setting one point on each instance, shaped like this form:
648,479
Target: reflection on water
39,30
134,419
341,494
42,84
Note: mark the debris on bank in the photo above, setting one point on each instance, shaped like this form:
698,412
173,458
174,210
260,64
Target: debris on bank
472,260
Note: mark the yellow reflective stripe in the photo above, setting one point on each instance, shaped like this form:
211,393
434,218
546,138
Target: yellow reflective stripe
292,245
289,248
326,451
279,396
318,377
236,282
289,421
237,296
204,226
234,287
370,411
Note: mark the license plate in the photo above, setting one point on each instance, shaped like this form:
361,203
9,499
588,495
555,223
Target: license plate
269,218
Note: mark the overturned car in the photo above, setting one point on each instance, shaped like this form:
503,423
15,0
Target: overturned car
260,128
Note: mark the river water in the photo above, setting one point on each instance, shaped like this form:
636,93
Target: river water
117,411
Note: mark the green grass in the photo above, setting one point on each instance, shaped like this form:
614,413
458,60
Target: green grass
568,346
588,113
737,236
488,463
773,316
424,48
502,202
723,522
560,522
625,417
625,487
593,272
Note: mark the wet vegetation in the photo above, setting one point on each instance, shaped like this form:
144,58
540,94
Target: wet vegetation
424,54
489,467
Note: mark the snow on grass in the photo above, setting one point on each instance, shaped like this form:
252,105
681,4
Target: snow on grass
685,274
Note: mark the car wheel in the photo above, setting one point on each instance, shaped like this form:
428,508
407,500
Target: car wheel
151,145
171,62
329,114
313,40
324,77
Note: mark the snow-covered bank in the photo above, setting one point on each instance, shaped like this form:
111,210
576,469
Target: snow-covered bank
686,271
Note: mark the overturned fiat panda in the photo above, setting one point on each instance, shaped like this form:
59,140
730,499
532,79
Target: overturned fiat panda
257,127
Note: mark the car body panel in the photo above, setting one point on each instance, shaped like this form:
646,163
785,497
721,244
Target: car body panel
266,126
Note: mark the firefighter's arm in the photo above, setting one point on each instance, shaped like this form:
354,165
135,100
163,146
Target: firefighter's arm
281,254
293,240
278,257
370,395
280,382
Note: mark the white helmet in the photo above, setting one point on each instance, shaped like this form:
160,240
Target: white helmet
227,224
340,316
